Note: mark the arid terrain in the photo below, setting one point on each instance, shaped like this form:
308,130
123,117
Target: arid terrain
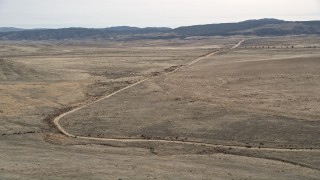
196,108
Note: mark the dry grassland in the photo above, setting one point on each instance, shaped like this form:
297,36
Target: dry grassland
263,100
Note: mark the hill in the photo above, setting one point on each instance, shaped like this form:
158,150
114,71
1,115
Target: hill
10,29
79,33
261,27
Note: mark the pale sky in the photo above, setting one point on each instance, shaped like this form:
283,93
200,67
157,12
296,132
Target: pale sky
148,13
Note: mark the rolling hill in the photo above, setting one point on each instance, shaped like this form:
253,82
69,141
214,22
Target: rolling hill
10,29
261,27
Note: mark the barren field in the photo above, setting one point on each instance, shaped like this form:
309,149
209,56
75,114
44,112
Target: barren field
194,109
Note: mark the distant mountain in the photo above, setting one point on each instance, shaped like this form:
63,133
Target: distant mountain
261,27
10,29
129,28
79,33
123,28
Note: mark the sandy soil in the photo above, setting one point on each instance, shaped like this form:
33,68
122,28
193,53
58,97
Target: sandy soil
248,97
39,79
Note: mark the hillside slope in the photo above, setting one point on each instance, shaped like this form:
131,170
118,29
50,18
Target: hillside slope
262,27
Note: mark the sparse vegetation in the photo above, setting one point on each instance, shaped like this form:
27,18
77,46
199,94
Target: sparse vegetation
262,27
241,105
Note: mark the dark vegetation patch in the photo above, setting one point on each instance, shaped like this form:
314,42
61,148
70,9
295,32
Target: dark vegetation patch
262,27
49,119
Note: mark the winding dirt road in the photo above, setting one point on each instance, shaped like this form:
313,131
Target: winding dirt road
237,45
62,130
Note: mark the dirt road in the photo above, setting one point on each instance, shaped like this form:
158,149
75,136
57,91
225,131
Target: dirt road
237,45
62,130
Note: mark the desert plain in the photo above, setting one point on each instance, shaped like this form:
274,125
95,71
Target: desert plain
197,108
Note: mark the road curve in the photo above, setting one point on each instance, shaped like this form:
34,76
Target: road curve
63,131
237,45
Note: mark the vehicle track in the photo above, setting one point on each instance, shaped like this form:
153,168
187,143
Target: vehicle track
63,131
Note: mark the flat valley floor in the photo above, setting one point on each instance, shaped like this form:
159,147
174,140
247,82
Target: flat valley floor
198,108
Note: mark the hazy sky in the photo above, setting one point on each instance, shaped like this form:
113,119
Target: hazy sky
142,13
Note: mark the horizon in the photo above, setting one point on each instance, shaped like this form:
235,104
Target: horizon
153,26
53,14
